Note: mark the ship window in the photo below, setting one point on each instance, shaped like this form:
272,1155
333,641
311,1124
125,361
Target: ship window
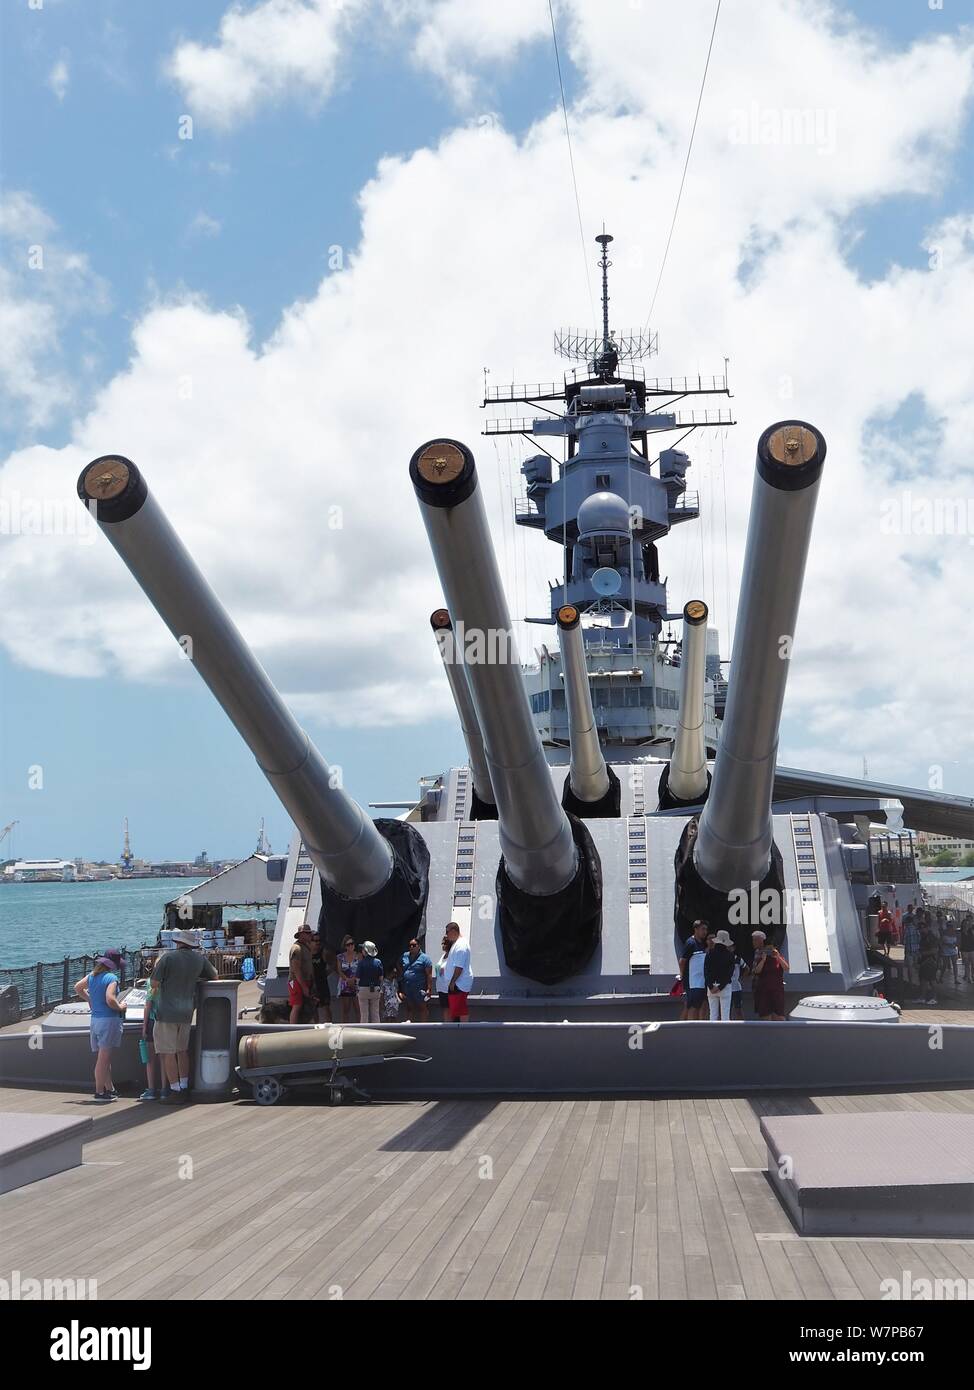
603,480
558,699
631,693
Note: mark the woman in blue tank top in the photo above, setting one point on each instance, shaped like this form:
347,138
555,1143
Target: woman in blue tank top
100,989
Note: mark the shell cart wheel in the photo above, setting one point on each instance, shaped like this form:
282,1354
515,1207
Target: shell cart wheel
267,1090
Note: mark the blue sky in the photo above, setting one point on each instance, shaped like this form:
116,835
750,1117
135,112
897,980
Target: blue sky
245,217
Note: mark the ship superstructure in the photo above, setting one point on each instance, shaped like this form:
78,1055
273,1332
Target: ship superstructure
614,498
619,790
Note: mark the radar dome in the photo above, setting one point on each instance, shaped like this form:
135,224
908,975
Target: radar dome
604,513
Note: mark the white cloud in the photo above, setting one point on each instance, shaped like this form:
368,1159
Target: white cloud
58,78
43,285
262,54
469,255
205,226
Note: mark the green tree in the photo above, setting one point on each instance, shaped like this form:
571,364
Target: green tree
944,860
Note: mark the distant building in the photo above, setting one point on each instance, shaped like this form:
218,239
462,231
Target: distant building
42,871
931,845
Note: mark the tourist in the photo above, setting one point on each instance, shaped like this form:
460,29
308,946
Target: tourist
416,982
390,996
884,932
718,969
456,977
441,994
737,990
99,989
911,942
369,973
175,977
692,972
154,1083
949,950
967,946
928,957
319,972
768,972
300,978
348,981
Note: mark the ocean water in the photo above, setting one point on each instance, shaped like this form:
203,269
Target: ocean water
48,921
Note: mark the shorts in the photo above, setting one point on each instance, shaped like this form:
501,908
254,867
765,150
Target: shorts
106,1032
295,993
456,1002
171,1037
444,1001
696,997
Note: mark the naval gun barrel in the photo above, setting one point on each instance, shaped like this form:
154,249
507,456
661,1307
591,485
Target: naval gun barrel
686,776
352,856
588,774
456,675
536,837
734,839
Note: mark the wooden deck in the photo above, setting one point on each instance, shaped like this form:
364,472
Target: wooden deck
526,1199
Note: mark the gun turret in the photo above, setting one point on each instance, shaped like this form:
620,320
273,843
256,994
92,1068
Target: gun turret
685,779
483,807
548,882
357,862
733,847
592,790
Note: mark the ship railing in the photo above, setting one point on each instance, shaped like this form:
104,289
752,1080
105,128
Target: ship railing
524,391
42,986
523,506
687,502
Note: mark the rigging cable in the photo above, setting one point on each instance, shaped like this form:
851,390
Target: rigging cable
686,163
571,159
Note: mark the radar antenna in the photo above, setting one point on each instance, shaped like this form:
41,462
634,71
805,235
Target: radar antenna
602,352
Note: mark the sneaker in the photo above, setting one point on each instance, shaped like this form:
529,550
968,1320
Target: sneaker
103,1097
148,1094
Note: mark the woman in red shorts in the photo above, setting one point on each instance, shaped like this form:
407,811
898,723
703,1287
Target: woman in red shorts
768,972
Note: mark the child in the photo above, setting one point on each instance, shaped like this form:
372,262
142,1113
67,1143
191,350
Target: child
390,996
153,1067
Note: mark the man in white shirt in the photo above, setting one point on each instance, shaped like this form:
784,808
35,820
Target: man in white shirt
457,975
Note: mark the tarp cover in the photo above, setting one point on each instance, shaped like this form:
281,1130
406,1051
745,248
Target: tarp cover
667,801
550,939
608,807
481,810
696,899
391,916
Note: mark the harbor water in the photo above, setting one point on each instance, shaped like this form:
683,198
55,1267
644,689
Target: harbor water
47,921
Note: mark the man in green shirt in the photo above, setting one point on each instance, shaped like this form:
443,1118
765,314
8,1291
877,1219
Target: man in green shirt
174,980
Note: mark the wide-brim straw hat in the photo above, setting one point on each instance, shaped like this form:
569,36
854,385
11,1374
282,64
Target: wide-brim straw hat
185,938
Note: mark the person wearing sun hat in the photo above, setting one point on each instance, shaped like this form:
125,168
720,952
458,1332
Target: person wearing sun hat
174,980
718,968
100,989
369,972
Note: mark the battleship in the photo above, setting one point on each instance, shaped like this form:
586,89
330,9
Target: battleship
619,789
